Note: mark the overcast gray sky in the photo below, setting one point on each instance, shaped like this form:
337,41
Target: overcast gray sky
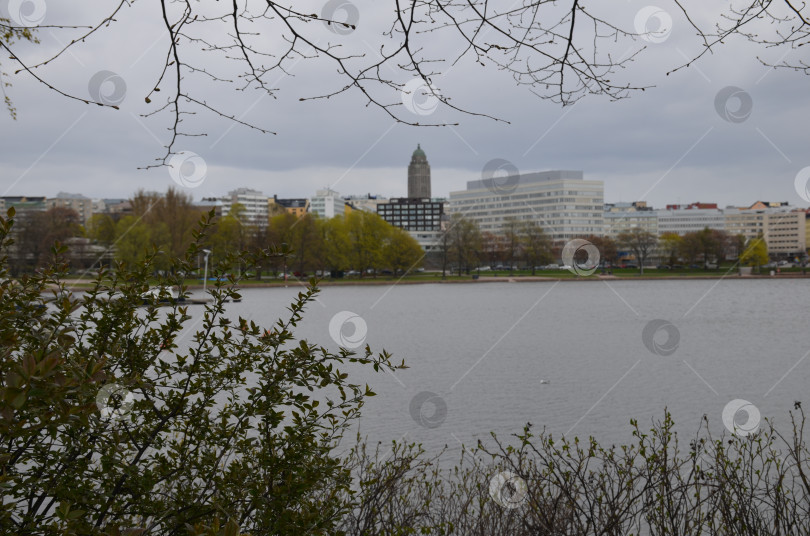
666,145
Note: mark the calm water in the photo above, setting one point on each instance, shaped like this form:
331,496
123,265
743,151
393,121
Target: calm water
568,357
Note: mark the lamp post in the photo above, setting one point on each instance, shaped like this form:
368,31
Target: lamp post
205,273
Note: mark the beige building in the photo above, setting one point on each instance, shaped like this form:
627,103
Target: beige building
81,204
366,202
749,223
784,228
807,230
297,207
786,233
621,217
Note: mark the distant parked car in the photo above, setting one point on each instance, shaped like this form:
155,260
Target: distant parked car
552,267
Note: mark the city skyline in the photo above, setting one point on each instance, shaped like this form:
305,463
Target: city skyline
685,199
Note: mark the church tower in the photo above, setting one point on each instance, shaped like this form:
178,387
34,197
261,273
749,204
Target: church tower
419,175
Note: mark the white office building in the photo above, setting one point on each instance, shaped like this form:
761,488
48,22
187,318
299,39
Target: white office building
327,203
689,220
562,202
253,202
366,202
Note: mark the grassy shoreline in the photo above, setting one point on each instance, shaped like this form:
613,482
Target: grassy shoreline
432,278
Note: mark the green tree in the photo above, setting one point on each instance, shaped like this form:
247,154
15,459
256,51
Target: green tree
708,244
110,424
671,245
335,242
402,252
230,234
305,241
176,211
367,234
755,253
101,228
690,248
134,240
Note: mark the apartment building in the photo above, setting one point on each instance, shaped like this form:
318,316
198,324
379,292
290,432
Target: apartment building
366,202
253,202
421,218
84,206
295,206
689,220
327,203
783,227
621,217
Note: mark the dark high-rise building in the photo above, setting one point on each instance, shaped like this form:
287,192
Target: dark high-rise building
413,214
419,175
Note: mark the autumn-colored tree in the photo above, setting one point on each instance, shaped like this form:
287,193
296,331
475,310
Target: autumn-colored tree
723,245
37,232
608,251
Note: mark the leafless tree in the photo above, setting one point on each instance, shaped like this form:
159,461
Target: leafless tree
561,51
642,243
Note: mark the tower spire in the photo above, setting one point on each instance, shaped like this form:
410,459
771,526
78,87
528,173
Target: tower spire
419,175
